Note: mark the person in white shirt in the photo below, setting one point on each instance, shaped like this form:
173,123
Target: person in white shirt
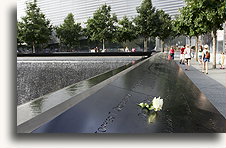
200,54
126,49
205,59
187,56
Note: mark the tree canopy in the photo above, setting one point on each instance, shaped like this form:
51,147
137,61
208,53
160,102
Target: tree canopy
201,16
19,33
126,30
69,32
146,21
190,21
165,25
35,29
102,27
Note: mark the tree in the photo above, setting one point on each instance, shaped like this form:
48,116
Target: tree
213,15
204,16
165,26
126,30
147,21
191,20
69,32
179,27
102,26
35,28
19,33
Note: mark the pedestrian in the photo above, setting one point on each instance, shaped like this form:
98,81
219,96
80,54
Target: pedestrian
182,55
126,49
200,54
96,49
133,50
222,60
187,56
205,59
171,52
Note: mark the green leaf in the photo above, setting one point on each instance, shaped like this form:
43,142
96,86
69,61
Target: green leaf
141,105
151,108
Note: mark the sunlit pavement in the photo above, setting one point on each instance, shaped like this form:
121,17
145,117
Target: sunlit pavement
213,84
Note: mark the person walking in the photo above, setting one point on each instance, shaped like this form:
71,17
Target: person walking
182,55
171,52
222,60
200,54
126,49
187,56
205,59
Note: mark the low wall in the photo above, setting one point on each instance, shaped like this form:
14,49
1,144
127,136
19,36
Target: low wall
60,54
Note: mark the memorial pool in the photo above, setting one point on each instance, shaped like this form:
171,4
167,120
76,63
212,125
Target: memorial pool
37,76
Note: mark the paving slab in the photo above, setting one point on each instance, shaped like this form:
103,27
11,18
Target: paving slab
114,109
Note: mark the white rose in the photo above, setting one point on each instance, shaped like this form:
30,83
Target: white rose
157,103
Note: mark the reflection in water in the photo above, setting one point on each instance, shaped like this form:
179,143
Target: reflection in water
152,117
149,116
37,106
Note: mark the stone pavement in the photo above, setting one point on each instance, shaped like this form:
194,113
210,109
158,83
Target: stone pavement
213,85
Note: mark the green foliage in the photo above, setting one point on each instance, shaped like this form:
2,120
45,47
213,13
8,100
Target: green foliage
152,23
212,13
69,32
34,29
147,106
102,25
165,25
147,21
200,16
19,33
188,23
126,30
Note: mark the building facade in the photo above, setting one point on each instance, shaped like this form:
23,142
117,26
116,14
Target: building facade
57,10
169,6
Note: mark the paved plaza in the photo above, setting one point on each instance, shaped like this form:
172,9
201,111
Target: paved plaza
213,84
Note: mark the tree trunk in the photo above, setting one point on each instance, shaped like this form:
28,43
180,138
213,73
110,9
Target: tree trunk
200,40
145,45
103,45
214,35
190,41
33,47
196,48
163,43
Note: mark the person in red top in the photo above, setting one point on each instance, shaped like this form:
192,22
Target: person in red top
182,55
171,52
